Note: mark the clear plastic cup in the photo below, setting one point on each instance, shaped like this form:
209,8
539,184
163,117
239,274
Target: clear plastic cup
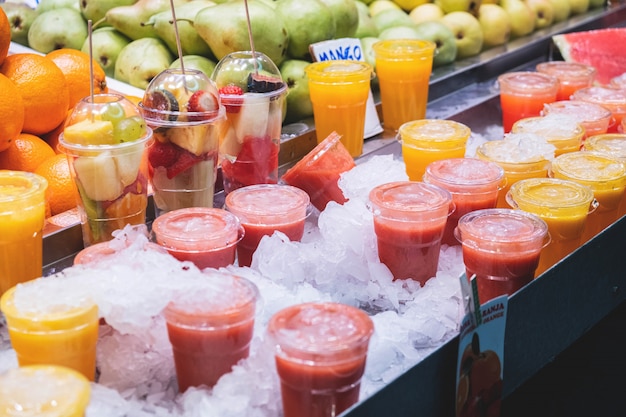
184,111
263,209
562,131
572,76
473,184
428,140
103,250
618,81
206,236
409,221
403,68
253,93
595,118
613,144
613,99
211,328
502,248
105,140
321,350
22,218
318,171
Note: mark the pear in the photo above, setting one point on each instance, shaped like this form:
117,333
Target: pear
223,27
95,10
20,17
98,177
346,17
198,62
366,27
522,17
56,29
47,5
299,104
130,20
561,10
141,60
106,45
190,42
307,23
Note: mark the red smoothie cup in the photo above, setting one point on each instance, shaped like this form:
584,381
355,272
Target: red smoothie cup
502,248
595,118
409,221
318,172
321,350
206,236
613,99
572,76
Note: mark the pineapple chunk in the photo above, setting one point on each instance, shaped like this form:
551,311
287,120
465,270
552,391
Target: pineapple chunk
90,132
197,139
98,176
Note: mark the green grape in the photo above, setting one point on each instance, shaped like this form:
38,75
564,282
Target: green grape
129,129
113,112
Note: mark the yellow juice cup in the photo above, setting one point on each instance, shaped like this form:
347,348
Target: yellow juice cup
49,330
604,174
403,68
429,140
563,205
339,91
22,217
561,131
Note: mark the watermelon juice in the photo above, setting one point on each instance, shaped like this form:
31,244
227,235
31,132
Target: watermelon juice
572,76
593,117
613,99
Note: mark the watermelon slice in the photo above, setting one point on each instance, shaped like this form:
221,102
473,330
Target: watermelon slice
603,49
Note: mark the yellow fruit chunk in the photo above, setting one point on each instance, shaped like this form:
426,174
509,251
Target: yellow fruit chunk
90,132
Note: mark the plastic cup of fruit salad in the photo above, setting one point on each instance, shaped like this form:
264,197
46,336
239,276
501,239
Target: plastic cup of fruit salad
105,140
253,94
184,111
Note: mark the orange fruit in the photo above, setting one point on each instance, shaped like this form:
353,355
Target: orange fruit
62,194
43,89
25,153
11,112
52,137
75,66
5,35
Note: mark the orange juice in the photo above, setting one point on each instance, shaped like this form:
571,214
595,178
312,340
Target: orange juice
559,130
22,217
339,91
428,140
572,76
403,68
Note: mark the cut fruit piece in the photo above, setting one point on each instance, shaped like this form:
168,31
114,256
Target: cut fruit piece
253,117
162,154
256,163
128,165
197,139
160,102
603,49
202,101
98,178
90,132
185,161
129,205
262,83
231,145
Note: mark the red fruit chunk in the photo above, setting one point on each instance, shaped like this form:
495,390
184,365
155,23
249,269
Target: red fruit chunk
185,161
256,163
162,154
232,104
202,102
231,89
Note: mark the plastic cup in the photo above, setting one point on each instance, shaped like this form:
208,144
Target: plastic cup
111,177
183,159
618,81
502,248
473,184
605,175
572,76
321,350
428,140
205,236
319,171
563,205
595,118
409,221
613,144
403,68
103,250
523,94
250,136
22,217
211,329
564,132
43,391
613,99
51,330
263,209
339,91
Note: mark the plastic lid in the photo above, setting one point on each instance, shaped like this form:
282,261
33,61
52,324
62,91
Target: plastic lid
238,69
463,174
255,203
528,81
583,110
410,197
501,226
567,71
613,144
589,166
19,185
434,130
551,192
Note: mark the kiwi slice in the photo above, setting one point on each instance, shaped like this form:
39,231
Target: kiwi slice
262,83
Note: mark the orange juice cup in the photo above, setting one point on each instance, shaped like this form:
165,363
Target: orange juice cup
339,91
51,331
523,94
613,99
22,217
564,132
604,174
563,205
403,68
428,140
43,390
572,76
594,118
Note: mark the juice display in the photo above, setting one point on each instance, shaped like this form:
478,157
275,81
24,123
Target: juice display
523,94
572,76
595,118
22,217
403,68
339,91
321,349
319,171
409,221
428,140
562,131
613,99
563,205
613,144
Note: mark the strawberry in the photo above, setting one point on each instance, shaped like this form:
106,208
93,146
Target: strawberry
202,102
185,161
162,154
232,104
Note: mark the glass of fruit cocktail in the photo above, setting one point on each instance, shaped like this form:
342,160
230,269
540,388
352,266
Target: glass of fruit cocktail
253,94
105,139
184,111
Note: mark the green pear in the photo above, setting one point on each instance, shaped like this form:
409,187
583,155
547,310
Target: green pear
369,55
522,17
190,42
448,6
390,18
21,17
399,32
426,12
561,10
271,3
579,6
544,12
141,60
106,45
467,32
596,3
496,25
200,63
346,17
307,22
47,5
299,104
366,27
130,20
56,29
95,10
446,47
223,27
378,6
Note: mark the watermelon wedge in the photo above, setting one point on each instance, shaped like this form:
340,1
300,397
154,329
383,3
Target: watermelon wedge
604,49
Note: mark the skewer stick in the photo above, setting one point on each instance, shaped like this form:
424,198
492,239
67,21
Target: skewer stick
256,65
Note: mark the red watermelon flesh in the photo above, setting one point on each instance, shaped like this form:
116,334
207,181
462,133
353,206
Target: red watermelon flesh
603,49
